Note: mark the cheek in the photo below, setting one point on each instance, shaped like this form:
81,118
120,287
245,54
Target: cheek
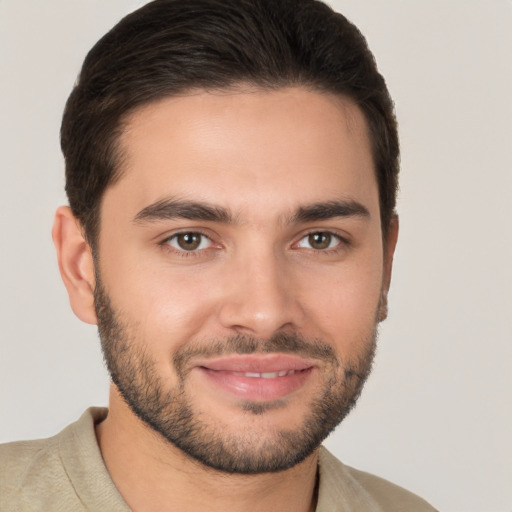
343,303
179,304
166,305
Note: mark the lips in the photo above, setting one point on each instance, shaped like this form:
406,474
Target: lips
257,377
265,375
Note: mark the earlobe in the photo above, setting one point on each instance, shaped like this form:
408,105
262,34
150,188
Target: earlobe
75,263
389,251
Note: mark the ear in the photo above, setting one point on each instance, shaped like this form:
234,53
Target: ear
389,251
75,263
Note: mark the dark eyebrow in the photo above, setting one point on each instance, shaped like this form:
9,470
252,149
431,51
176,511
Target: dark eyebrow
329,210
168,209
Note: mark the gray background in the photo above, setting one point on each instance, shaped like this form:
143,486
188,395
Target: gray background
436,415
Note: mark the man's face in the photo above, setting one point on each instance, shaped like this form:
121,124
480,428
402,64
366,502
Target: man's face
240,272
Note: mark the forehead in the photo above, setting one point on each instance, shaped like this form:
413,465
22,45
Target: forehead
246,147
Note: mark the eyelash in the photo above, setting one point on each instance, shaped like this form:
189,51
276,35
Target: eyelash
342,243
165,244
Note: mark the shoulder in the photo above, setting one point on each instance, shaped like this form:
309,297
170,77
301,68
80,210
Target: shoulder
28,470
389,495
38,474
364,491
20,459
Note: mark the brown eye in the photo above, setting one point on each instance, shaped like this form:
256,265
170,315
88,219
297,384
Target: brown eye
320,241
189,241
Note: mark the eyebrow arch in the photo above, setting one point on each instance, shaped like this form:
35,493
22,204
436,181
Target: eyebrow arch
168,209
329,210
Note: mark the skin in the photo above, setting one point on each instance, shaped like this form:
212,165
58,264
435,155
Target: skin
261,155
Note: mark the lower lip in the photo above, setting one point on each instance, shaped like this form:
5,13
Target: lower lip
257,389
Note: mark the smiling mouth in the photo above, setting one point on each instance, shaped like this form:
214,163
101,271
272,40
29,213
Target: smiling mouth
260,378
260,375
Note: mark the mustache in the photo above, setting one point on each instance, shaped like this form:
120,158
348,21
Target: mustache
242,344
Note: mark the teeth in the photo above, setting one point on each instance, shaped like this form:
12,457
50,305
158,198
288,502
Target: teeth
265,375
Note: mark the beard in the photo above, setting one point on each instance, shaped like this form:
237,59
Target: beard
169,411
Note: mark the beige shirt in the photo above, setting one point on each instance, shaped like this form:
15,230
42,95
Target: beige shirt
66,473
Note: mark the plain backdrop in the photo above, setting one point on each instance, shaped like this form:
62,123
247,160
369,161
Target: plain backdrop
436,414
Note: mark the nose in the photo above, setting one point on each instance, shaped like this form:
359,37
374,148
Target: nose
260,297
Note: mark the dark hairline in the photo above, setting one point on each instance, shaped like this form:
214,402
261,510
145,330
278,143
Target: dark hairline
105,97
241,86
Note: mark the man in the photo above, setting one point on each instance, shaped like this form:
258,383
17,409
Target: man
231,169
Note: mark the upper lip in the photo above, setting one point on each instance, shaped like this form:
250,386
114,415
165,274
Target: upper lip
257,363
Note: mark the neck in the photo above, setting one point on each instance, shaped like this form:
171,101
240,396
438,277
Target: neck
152,474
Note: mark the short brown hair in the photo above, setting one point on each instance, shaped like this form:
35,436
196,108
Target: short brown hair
171,46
